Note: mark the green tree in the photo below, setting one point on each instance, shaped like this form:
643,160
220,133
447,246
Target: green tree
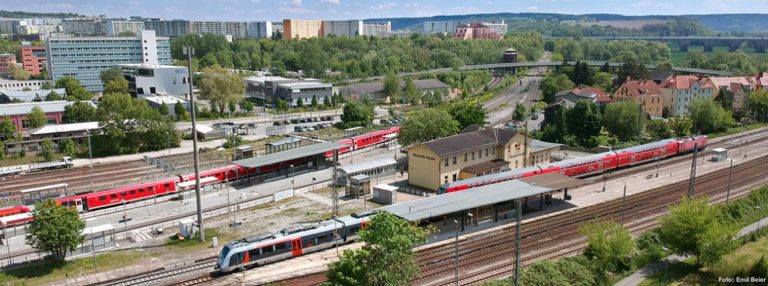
707,116
117,85
7,130
282,105
129,125
233,141
427,124
220,87
47,85
623,119
232,106
163,109
46,149
126,34
386,257
758,105
610,244
52,96
111,74
658,129
603,80
551,85
36,118
67,147
543,273
55,229
632,70
18,73
467,113
246,105
79,111
179,109
391,86
300,103
584,122
314,102
357,114
681,126
411,93
519,112
692,227
75,91
327,102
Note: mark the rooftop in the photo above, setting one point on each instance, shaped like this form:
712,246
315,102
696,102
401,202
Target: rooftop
538,145
288,155
457,201
164,99
368,165
479,167
151,66
470,140
26,107
63,128
304,84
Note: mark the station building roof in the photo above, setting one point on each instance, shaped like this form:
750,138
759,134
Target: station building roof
555,181
288,155
463,200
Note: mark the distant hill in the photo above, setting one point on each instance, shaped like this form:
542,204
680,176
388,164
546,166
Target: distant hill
22,14
747,23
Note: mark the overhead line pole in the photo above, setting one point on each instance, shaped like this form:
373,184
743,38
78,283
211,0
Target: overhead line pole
692,180
190,51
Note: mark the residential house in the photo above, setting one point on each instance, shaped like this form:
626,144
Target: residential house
645,92
680,90
736,88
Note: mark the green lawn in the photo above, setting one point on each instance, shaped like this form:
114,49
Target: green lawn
734,130
50,272
194,243
29,158
682,273
742,259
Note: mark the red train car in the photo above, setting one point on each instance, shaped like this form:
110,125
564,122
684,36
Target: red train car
14,210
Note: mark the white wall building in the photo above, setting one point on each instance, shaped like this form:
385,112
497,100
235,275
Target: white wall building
346,28
147,80
19,85
377,29
116,26
439,27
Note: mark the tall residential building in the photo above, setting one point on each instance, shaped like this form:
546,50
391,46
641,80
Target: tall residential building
439,27
346,28
302,29
169,28
377,29
7,61
116,26
237,30
9,25
83,26
475,31
83,58
33,58
259,30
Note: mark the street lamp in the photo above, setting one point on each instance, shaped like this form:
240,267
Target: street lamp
456,257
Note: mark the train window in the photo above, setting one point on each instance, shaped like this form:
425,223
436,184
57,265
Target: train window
103,198
281,246
354,229
268,249
141,190
152,188
167,185
254,252
122,194
322,238
133,192
114,196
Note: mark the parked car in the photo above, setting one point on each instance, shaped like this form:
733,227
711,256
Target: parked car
303,120
297,129
276,123
295,121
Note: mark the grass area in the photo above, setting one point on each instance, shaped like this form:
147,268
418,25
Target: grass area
742,259
29,158
734,130
52,272
677,57
194,242
683,273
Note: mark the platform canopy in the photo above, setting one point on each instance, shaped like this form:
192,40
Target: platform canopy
463,200
555,181
288,155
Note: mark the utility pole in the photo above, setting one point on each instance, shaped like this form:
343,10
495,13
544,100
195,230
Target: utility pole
90,163
456,257
623,199
189,51
517,242
335,201
692,180
728,193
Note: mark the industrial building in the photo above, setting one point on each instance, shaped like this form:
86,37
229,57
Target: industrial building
83,58
147,80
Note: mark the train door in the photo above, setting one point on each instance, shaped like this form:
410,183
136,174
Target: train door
79,205
296,247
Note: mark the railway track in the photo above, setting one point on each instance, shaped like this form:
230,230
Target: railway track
157,276
491,255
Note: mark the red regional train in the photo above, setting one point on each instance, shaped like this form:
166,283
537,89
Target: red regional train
589,165
116,196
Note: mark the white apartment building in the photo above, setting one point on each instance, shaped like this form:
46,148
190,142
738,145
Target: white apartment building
346,28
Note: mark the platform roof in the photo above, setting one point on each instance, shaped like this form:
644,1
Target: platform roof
555,181
288,155
467,199
368,165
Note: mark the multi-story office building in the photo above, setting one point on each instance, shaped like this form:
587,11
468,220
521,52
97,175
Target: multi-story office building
302,29
346,28
152,79
377,29
237,30
83,58
33,58
439,27
259,30
7,62
168,28
83,26
116,26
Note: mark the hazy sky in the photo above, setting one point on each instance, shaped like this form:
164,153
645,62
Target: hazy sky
362,9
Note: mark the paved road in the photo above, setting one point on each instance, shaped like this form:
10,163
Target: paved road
525,91
641,274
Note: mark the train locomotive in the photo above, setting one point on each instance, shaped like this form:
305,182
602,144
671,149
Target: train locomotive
589,165
290,242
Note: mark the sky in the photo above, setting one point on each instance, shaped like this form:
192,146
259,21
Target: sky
276,10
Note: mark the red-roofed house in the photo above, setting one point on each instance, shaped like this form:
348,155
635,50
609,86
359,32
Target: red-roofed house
738,89
760,81
680,90
645,92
